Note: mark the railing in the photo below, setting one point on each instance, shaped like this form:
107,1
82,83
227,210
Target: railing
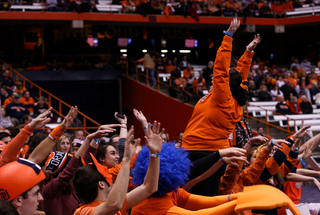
267,123
57,104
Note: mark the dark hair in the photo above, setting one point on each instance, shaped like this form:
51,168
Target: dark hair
102,149
259,127
35,141
14,131
250,152
241,96
4,134
25,118
7,208
112,137
85,182
4,88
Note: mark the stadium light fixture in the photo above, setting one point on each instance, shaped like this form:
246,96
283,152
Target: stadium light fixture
144,50
164,51
185,51
173,51
124,55
162,55
123,50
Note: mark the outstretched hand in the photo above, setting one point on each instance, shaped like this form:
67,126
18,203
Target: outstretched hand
41,120
139,115
69,118
254,42
154,140
120,120
235,23
232,161
258,139
303,131
129,146
307,151
111,127
232,151
99,134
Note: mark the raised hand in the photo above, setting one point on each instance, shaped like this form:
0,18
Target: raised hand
41,120
254,42
258,139
232,161
69,118
111,127
302,131
120,120
307,152
99,134
139,115
232,151
276,144
129,146
154,140
235,23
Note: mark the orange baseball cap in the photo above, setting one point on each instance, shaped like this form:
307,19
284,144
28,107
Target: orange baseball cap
17,177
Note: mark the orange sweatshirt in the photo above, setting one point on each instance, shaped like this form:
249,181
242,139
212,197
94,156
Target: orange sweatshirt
12,150
215,115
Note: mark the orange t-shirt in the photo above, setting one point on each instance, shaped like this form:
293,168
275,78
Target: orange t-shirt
28,102
186,73
293,189
160,205
21,90
215,115
277,9
7,101
169,68
88,209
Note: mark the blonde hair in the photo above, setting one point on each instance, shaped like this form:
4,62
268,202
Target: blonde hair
58,144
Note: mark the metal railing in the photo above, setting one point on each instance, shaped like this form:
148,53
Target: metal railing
59,106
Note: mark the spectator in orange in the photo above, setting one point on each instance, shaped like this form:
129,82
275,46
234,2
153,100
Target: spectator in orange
20,88
287,5
9,100
128,6
312,71
169,66
28,101
199,85
277,9
293,105
186,71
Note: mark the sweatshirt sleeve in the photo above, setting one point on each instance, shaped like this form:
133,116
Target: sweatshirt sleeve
220,82
244,64
12,150
121,148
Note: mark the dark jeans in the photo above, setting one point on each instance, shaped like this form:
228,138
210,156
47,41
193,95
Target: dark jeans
209,186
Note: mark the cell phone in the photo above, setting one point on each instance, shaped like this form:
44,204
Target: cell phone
120,115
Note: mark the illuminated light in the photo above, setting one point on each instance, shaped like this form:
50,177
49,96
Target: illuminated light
162,55
144,50
185,51
164,51
123,50
124,55
173,51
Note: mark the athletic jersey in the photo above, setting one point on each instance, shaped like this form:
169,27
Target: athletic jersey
215,115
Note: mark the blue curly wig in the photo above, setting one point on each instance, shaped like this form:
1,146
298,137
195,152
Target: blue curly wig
174,168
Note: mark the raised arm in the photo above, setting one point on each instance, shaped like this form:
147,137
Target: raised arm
123,133
150,184
303,178
142,119
118,192
43,149
220,81
12,150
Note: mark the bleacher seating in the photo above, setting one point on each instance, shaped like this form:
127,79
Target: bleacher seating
34,6
107,6
306,10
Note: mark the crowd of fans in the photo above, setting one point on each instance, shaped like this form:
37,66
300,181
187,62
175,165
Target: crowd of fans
227,8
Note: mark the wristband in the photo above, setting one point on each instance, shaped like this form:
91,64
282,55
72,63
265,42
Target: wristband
303,162
97,140
228,33
56,133
222,160
147,127
271,142
295,148
229,198
155,155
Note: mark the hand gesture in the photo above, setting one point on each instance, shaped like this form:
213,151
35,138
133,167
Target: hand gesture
139,115
41,120
129,147
302,131
235,23
258,139
99,134
69,118
120,120
154,140
111,127
232,151
254,42
232,161
308,151
276,144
